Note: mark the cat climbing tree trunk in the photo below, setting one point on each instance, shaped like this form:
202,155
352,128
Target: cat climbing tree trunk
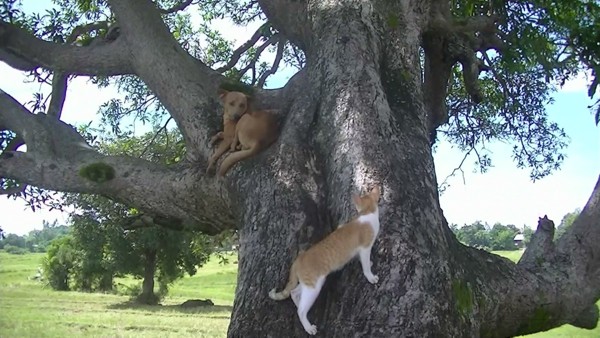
357,128
361,119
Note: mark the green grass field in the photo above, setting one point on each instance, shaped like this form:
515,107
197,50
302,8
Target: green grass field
27,309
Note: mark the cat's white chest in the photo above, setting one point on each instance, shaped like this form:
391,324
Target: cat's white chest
372,219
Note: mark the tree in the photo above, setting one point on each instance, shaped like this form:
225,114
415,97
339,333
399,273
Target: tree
502,237
38,240
380,81
479,235
566,222
109,243
475,235
59,262
13,240
527,234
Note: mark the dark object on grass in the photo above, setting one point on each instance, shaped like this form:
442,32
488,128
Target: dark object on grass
197,303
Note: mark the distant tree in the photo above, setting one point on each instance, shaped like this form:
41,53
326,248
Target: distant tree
475,235
113,239
527,233
59,262
480,235
15,250
566,222
38,240
502,237
13,240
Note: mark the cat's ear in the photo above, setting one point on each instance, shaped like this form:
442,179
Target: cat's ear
357,201
375,193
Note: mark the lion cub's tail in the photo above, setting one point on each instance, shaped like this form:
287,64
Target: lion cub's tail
292,282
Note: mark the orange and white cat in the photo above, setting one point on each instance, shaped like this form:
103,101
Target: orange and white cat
311,267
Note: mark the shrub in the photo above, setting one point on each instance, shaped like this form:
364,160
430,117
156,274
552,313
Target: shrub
15,250
59,262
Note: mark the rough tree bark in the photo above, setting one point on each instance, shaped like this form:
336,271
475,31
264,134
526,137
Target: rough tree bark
147,295
359,114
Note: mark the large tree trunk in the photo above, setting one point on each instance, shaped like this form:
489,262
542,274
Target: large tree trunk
361,120
359,114
147,296
363,123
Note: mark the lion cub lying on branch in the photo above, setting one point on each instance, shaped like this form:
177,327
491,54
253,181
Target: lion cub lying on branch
311,267
250,130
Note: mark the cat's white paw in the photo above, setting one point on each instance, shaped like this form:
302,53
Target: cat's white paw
311,330
373,279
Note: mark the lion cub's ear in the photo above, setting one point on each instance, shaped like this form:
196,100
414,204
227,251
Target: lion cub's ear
222,93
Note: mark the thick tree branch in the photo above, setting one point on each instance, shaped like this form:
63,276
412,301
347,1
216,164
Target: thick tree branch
447,42
541,247
21,50
554,283
290,18
58,158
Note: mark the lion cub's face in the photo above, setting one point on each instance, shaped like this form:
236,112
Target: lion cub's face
235,104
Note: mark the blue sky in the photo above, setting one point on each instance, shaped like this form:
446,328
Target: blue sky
504,194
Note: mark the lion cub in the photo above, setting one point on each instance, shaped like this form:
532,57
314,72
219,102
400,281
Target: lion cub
311,267
250,131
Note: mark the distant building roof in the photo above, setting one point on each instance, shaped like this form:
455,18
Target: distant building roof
519,237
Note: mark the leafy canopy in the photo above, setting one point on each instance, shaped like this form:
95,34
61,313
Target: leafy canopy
543,44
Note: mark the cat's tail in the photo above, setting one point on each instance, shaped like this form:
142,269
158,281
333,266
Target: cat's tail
292,282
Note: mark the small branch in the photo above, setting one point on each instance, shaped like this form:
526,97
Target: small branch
176,8
459,167
13,190
273,69
252,64
80,30
235,57
144,220
496,75
164,127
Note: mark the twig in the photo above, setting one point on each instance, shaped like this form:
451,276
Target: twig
263,78
176,8
155,136
235,57
252,64
459,167
13,190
